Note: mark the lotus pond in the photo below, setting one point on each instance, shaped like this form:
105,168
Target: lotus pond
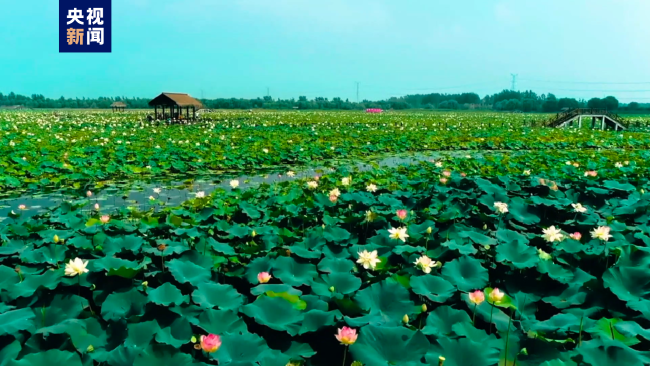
480,246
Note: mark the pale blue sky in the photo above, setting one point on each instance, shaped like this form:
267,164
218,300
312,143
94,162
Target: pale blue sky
238,48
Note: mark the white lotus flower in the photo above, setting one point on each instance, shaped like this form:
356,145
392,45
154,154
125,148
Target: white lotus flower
76,267
312,184
346,181
335,192
578,208
425,264
371,188
501,207
552,234
399,233
234,183
602,233
368,260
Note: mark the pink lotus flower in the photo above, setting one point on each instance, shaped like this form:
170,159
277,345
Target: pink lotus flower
210,343
463,175
22,207
576,236
97,206
443,180
263,277
347,336
446,173
477,297
105,219
333,198
591,173
401,214
89,194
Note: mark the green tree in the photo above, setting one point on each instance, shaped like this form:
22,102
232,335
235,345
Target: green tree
610,103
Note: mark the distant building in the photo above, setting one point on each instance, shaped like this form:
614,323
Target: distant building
118,106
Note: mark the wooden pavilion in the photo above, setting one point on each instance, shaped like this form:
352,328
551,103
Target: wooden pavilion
118,106
172,105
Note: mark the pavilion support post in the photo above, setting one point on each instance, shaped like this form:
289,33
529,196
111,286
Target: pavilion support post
187,112
193,112
580,122
603,124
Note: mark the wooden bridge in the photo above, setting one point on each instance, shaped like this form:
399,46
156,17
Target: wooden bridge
600,119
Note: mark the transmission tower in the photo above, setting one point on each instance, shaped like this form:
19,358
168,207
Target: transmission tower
514,81
357,92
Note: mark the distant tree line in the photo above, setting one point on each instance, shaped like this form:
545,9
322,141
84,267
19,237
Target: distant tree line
506,100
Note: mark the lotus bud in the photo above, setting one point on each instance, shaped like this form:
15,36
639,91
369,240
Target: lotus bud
484,226
332,289
405,319
145,284
424,308
429,230
90,348
193,339
253,234
441,361
56,239
486,247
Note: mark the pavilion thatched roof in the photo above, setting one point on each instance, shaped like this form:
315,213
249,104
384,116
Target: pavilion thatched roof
175,99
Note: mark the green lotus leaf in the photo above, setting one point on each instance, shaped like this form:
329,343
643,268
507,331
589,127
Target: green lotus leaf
341,283
628,283
118,267
51,254
242,349
601,352
631,329
176,334
434,288
571,296
441,320
166,295
560,323
383,346
289,271
14,321
51,357
555,271
163,355
276,313
221,247
386,302
464,247
188,272
211,295
120,305
466,273
297,302
141,334
520,255
316,319
221,321
9,353
114,245
260,289
305,253
522,212
50,279
606,329
333,265
462,352
477,237
335,234
257,265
